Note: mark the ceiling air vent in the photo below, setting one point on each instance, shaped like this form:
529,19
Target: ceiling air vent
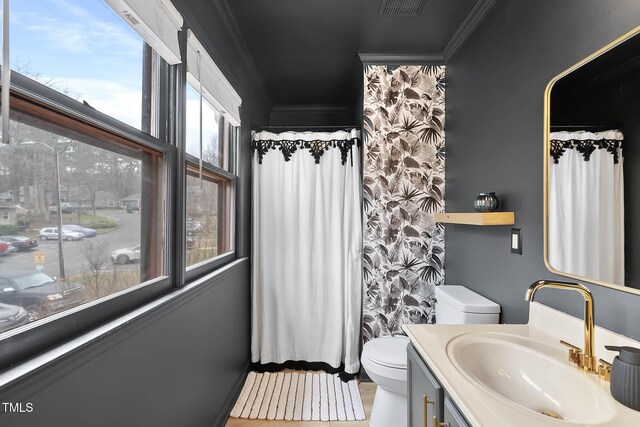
401,7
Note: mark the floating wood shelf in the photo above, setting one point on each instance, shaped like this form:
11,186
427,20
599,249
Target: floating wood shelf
477,218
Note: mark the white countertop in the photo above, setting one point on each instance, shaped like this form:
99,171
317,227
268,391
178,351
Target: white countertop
546,325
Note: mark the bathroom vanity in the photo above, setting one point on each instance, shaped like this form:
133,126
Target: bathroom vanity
506,375
427,398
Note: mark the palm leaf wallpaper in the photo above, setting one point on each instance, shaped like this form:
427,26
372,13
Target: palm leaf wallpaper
404,155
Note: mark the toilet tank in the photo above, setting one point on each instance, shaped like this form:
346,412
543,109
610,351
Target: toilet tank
458,305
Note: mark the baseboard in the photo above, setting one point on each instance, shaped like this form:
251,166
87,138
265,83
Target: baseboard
223,416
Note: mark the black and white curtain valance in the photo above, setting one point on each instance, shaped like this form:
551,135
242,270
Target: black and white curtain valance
316,142
586,143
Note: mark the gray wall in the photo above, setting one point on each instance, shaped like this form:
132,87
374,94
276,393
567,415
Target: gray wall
495,87
311,115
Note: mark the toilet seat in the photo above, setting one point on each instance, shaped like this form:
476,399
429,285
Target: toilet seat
390,352
385,360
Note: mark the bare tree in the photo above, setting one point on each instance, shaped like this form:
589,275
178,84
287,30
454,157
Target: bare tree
31,169
211,152
96,252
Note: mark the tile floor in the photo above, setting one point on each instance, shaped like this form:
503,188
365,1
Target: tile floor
367,391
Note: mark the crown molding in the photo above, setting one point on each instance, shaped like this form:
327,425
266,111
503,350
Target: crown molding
470,22
468,25
400,58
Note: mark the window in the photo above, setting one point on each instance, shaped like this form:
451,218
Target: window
82,49
209,200
208,222
217,131
213,150
211,113
90,190
65,176
87,187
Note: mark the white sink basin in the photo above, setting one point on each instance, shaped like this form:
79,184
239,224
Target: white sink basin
530,375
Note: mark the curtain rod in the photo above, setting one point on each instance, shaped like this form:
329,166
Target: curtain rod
281,127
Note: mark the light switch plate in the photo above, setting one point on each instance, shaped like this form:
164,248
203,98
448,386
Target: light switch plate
516,241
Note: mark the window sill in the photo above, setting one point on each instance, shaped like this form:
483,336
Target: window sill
39,362
200,269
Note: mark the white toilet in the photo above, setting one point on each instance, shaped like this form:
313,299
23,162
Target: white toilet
385,358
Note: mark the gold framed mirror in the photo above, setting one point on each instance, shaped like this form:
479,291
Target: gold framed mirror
589,154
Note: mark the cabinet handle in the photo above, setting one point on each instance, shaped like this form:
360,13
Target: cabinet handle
425,402
439,424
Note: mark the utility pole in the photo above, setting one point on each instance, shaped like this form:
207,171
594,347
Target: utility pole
56,154
56,158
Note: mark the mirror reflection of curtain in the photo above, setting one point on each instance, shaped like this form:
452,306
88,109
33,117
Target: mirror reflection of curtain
586,204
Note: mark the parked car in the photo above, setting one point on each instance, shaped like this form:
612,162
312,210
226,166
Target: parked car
125,256
11,249
40,295
66,208
193,227
12,316
6,248
87,232
52,233
21,243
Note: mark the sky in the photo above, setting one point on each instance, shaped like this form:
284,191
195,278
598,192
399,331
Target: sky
209,126
85,49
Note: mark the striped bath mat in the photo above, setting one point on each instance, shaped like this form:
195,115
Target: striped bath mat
303,396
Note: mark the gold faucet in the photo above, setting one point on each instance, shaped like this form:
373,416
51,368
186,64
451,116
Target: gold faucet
587,361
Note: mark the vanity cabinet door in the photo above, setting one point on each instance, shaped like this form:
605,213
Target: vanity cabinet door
452,415
422,386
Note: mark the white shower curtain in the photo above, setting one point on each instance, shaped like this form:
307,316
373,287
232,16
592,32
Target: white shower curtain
586,205
307,240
